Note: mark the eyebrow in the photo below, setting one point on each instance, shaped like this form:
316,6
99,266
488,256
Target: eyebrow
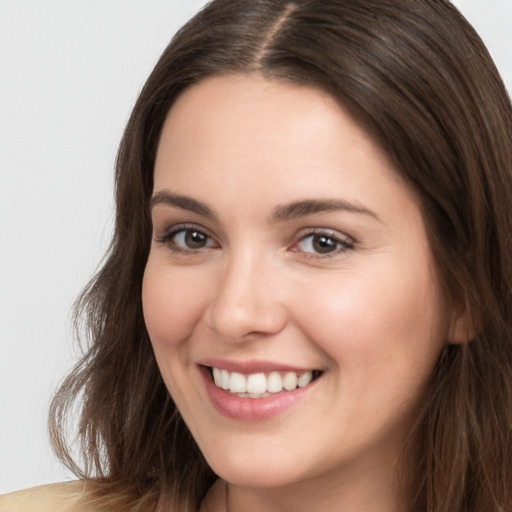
312,206
183,202
295,210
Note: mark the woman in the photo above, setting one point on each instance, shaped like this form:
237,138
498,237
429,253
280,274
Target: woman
306,302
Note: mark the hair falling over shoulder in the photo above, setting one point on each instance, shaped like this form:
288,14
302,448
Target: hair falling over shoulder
423,82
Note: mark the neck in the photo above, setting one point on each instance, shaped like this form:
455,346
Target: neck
361,491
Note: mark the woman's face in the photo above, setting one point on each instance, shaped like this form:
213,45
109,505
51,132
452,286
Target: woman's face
289,260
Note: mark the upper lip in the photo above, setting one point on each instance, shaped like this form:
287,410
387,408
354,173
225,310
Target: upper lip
253,366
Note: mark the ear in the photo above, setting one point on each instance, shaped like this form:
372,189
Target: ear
465,324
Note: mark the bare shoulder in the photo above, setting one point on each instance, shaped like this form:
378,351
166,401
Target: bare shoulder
62,497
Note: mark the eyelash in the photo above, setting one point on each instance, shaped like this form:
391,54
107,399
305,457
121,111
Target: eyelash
169,238
342,243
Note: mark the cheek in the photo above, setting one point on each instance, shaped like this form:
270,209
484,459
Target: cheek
376,322
383,340
172,304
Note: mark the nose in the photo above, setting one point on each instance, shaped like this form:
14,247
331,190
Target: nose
247,302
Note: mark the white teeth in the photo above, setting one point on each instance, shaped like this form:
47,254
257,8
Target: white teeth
274,382
217,378
224,379
237,383
305,379
290,381
257,385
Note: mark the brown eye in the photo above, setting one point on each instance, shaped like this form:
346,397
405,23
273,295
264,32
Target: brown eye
324,244
195,239
188,239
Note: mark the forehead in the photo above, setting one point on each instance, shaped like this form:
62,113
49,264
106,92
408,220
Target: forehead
252,122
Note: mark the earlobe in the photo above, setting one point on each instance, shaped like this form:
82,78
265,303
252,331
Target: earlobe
465,324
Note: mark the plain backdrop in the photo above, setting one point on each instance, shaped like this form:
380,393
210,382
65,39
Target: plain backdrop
70,71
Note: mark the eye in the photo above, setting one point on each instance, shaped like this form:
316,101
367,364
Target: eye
324,243
187,239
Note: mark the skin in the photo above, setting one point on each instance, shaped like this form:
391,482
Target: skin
370,314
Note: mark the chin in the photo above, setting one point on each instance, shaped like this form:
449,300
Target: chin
267,476
268,467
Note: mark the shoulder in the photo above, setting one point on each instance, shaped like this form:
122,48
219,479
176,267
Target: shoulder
62,497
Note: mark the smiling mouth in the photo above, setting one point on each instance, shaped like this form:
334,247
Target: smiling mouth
261,385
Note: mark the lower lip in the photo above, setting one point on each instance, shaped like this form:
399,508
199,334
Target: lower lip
251,409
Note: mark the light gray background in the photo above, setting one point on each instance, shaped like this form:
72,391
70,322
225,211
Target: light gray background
70,72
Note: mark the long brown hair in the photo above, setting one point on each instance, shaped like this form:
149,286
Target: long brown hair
420,77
